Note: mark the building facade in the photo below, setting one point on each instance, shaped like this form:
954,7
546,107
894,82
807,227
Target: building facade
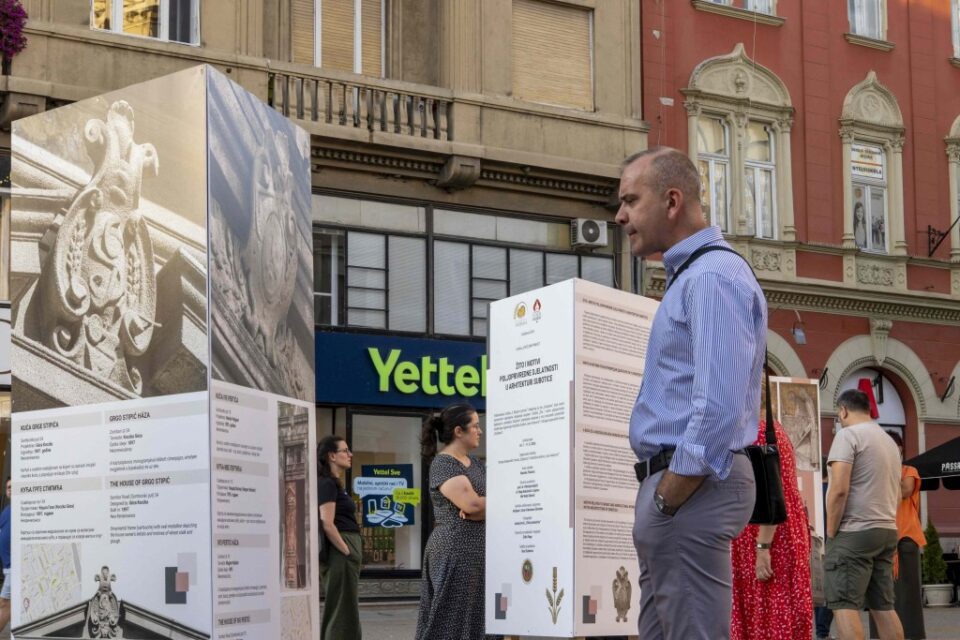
455,146
828,138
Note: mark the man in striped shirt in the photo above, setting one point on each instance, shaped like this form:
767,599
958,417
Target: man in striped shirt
698,405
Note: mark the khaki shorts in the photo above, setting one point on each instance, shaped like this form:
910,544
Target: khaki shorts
858,567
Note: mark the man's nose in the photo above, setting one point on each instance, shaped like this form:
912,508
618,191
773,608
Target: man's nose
621,217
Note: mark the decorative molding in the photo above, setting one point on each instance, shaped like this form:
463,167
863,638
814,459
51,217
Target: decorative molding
736,77
879,330
870,102
459,172
765,260
14,106
737,12
872,43
551,184
840,301
875,274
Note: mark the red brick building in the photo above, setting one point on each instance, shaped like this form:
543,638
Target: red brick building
828,137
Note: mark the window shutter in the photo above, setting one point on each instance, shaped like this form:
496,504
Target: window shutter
301,31
552,57
336,38
371,28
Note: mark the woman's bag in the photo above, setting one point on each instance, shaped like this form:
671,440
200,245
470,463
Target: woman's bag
771,506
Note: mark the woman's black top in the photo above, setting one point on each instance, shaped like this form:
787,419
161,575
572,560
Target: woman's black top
345,514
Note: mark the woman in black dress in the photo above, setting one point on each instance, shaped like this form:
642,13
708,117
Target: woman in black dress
451,596
340,570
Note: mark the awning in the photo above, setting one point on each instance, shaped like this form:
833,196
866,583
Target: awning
939,464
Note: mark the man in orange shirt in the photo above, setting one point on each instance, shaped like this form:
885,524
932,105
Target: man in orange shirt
908,601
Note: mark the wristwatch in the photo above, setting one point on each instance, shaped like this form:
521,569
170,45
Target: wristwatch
662,505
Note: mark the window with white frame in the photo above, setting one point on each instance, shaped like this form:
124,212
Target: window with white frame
867,18
759,181
713,159
955,22
170,20
869,176
760,6
345,35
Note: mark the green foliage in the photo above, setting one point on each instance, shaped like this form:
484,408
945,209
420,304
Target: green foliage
933,565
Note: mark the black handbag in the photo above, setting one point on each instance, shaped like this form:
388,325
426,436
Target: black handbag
771,506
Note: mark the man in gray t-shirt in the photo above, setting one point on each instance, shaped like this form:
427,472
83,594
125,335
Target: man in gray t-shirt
862,502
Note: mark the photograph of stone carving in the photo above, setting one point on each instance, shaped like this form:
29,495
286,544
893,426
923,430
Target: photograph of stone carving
800,417
293,427
105,615
108,218
261,245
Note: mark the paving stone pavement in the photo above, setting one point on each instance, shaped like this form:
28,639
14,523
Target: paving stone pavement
399,622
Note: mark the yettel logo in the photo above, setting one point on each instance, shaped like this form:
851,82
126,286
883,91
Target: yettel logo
430,376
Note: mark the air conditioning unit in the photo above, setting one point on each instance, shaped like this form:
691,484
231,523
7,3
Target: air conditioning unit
585,232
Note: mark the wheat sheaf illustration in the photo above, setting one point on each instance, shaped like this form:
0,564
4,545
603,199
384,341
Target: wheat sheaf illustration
555,598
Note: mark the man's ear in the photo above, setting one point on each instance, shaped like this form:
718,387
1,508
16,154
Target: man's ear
675,203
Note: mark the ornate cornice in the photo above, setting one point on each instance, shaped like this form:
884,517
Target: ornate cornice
434,169
850,302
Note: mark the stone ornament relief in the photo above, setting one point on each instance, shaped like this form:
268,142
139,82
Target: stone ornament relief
737,76
258,280
871,102
100,285
875,274
765,260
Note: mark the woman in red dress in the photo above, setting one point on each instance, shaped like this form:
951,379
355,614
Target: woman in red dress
772,597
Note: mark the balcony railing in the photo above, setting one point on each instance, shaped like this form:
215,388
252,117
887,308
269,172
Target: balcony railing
354,104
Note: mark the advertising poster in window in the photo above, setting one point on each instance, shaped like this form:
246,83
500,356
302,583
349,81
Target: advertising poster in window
566,363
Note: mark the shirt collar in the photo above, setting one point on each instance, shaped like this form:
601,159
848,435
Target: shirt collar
678,253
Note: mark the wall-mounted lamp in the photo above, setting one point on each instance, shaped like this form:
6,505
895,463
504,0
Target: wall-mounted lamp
798,334
950,388
878,385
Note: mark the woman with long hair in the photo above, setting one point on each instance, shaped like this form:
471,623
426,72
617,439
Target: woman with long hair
451,595
340,569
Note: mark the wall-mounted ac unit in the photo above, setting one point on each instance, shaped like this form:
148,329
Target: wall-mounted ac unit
586,232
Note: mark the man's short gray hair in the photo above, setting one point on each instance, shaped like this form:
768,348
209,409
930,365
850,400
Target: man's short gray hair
669,169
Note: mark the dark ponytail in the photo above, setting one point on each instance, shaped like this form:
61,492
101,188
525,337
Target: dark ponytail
440,429
328,445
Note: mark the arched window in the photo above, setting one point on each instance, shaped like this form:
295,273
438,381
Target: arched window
739,118
871,128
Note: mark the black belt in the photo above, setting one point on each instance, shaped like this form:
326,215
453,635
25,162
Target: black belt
659,462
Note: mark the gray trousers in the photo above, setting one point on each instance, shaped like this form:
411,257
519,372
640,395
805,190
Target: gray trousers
686,577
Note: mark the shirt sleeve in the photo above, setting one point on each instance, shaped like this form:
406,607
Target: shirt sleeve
842,449
722,323
326,491
442,469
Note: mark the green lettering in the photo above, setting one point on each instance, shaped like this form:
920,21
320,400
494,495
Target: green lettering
384,368
466,380
445,370
406,377
427,369
483,375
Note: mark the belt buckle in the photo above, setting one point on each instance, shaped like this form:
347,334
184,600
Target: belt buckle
644,467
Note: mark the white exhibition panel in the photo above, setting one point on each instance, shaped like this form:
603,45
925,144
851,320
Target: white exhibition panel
565,367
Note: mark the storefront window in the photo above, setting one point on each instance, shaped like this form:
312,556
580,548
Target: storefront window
386,455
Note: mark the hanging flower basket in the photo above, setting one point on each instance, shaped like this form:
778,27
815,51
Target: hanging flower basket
13,18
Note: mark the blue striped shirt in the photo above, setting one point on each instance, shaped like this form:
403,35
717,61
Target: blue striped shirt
701,382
